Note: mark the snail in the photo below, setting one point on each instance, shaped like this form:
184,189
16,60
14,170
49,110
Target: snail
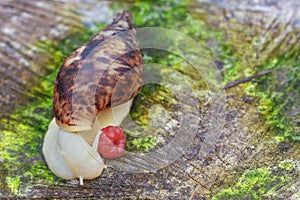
93,93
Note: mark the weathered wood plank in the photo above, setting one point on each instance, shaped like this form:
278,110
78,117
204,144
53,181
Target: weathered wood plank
23,24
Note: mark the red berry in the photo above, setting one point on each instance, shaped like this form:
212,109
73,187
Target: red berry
112,142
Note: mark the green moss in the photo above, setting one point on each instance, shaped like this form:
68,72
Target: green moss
254,184
289,164
279,93
13,184
39,173
142,144
149,106
21,141
23,131
150,95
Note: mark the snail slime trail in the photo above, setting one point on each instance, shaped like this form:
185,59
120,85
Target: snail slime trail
88,111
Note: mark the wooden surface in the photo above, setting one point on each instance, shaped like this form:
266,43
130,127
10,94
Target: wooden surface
23,23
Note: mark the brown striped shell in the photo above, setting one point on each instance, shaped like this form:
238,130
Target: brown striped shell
104,72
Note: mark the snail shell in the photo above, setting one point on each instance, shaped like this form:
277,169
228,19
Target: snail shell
105,72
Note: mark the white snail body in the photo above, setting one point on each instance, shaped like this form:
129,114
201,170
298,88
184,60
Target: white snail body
74,155
69,156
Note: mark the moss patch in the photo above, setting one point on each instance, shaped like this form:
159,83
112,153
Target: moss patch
23,131
143,144
256,184
242,54
13,184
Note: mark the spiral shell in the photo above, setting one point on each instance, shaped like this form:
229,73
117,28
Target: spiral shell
105,72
